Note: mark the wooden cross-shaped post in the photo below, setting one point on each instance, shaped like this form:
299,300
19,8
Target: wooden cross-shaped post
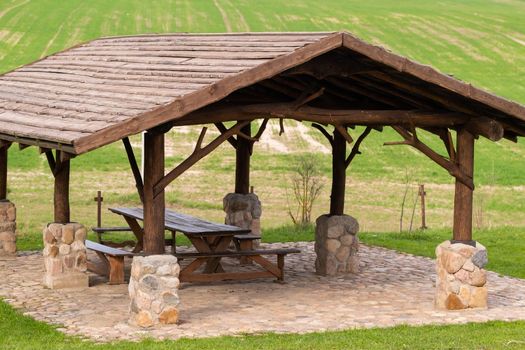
99,199
422,194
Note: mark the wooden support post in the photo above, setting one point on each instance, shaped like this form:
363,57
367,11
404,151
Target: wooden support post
422,194
154,206
61,197
337,197
3,172
99,199
464,195
242,163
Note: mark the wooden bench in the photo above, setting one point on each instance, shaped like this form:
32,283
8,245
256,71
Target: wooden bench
111,261
254,255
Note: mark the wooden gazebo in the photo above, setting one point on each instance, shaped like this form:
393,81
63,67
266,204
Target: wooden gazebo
105,90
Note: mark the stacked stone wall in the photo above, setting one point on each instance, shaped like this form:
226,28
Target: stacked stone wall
461,277
65,256
336,245
153,290
7,229
243,210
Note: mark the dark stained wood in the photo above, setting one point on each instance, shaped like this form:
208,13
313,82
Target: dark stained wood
116,270
337,196
184,223
154,204
112,261
198,153
486,127
463,198
355,149
327,116
222,129
134,168
61,194
4,148
411,139
271,270
242,162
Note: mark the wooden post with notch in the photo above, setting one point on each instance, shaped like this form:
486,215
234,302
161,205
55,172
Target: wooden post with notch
154,206
242,161
61,195
3,171
337,196
463,198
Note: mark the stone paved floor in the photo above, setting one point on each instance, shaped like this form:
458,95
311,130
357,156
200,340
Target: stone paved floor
392,289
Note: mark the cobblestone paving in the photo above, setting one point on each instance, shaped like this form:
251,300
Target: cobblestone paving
392,289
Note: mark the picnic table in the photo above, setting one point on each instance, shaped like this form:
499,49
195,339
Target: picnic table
212,242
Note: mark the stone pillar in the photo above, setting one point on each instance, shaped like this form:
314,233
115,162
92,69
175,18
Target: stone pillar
153,289
336,245
65,256
461,276
243,210
7,228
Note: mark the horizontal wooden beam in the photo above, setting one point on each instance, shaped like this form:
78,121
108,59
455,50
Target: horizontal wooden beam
326,116
486,127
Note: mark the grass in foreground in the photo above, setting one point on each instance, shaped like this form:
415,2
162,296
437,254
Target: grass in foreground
22,332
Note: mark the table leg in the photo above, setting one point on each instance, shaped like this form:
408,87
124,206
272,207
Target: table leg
211,244
137,231
173,242
219,243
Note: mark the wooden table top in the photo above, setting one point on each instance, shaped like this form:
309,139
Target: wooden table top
184,223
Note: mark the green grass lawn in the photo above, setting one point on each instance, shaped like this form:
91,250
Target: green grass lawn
21,332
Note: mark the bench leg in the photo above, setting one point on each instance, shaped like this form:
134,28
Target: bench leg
116,269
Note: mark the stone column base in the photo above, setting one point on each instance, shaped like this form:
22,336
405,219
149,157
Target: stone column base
336,245
461,276
153,289
244,211
65,256
7,228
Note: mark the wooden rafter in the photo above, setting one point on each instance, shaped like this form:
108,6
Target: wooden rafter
411,139
134,168
198,153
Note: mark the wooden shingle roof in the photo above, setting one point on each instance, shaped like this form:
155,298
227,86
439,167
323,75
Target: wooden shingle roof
99,92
